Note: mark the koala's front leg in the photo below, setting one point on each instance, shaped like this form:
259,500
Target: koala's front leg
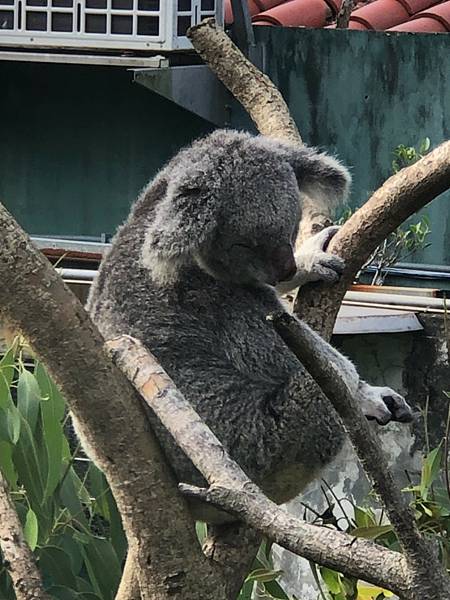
383,404
314,263
379,403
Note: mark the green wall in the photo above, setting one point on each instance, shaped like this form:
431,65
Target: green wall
78,143
363,93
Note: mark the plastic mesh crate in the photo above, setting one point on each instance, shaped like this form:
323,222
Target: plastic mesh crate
103,24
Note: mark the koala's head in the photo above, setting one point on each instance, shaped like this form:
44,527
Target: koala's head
232,206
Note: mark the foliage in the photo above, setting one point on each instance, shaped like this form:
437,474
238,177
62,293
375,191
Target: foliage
406,240
407,155
69,516
67,511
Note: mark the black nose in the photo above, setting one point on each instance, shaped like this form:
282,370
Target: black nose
283,262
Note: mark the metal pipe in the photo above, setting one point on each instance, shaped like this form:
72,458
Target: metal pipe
418,302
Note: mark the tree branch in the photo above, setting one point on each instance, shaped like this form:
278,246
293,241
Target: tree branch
17,556
431,580
35,301
253,89
231,488
396,200
344,13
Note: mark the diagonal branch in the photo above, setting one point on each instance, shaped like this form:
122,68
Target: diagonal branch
231,489
418,552
35,301
17,555
396,200
253,89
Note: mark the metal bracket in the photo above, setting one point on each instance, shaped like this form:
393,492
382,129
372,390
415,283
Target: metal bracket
193,87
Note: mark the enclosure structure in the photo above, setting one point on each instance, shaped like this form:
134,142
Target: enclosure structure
103,24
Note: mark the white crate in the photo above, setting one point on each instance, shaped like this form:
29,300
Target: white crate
103,24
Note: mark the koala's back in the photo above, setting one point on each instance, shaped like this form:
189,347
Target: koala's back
215,342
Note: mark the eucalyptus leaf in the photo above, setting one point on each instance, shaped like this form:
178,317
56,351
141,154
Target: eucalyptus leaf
31,529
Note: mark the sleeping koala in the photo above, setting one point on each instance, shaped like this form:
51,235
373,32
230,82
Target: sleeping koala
192,274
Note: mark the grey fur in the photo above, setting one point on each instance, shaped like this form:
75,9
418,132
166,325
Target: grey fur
188,274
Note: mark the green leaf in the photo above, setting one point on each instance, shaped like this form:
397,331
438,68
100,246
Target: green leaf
62,592
28,398
430,470
371,533
9,415
246,592
8,365
364,517
72,548
7,465
274,589
263,575
52,413
98,488
69,496
50,391
28,464
331,580
55,565
103,567
31,528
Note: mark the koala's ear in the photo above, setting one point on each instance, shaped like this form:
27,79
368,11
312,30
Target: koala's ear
183,222
320,176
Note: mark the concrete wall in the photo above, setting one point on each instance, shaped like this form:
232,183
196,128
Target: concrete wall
79,142
362,93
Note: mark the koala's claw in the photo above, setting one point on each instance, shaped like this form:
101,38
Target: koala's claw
384,405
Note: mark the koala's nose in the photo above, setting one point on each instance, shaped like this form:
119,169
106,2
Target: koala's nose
283,261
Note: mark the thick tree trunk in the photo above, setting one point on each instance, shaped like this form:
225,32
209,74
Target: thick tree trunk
35,301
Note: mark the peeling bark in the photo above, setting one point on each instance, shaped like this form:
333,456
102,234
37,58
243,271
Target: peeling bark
396,200
230,488
35,301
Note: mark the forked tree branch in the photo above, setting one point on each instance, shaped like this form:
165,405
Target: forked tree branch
396,200
35,301
432,580
17,555
232,490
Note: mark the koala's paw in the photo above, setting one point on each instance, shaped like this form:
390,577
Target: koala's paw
318,264
384,405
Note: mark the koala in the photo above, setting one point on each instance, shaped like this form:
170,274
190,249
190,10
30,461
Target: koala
193,273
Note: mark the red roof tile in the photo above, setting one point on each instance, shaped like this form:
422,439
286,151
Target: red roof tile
435,19
421,25
306,13
380,15
390,15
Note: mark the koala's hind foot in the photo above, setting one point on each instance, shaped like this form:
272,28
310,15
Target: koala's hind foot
383,404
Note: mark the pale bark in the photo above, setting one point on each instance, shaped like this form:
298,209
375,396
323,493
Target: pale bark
17,555
35,301
431,579
396,200
253,89
230,488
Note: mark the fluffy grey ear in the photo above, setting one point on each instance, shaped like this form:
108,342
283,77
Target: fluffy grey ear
183,222
321,177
